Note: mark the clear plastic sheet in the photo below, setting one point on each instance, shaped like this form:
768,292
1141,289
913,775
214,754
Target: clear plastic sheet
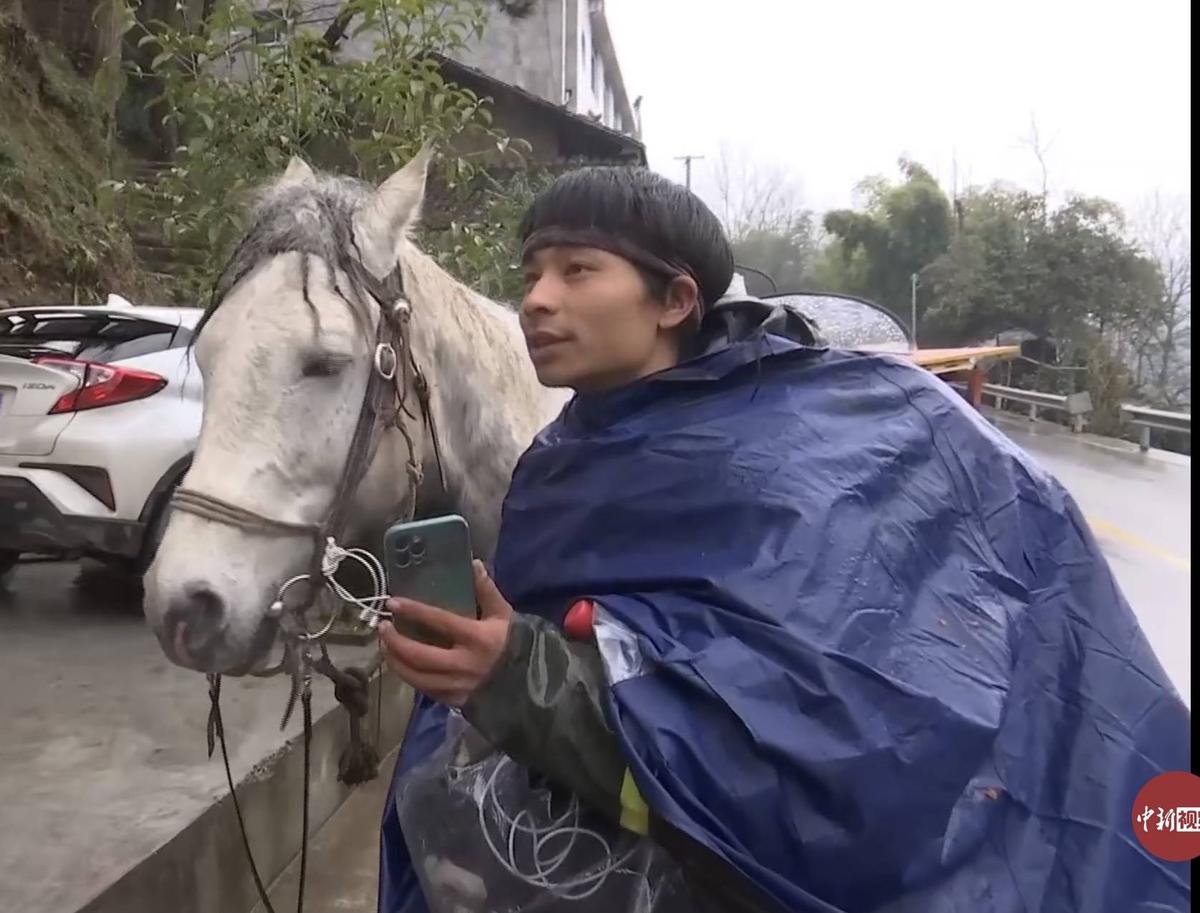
487,834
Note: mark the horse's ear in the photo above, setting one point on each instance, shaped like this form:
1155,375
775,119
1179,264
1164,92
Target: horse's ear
396,205
298,172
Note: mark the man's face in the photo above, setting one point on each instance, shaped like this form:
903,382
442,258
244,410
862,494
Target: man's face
590,322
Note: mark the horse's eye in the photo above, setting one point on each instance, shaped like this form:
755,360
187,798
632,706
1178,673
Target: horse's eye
323,365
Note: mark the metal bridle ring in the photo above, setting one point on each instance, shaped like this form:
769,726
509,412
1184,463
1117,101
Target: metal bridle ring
392,361
305,634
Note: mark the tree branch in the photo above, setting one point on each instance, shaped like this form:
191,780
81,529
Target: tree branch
338,27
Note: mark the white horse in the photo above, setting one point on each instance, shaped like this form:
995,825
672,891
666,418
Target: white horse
286,362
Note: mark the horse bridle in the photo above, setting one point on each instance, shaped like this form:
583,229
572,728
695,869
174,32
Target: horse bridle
388,379
393,368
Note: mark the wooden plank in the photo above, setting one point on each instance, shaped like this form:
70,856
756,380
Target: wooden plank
964,359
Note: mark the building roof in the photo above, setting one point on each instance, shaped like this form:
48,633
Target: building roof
616,144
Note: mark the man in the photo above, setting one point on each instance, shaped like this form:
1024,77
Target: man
796,615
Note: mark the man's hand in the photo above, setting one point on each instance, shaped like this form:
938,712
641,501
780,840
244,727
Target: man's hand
449,674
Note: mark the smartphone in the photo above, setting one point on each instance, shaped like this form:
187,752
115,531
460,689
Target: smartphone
429,561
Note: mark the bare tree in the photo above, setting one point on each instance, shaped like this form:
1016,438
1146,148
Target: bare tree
770,230
1040,148
754,197
1163,365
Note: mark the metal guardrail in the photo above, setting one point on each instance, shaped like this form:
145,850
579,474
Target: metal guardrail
1077,405
1146,419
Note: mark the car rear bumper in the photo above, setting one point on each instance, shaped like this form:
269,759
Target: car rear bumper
30,522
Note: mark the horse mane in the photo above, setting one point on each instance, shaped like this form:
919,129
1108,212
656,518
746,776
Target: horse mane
312,218
316,218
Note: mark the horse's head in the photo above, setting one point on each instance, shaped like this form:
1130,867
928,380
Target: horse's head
286,353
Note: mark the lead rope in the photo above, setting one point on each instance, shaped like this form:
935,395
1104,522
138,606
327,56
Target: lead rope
216,733
306,713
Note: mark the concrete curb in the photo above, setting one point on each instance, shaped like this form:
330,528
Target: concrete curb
203,869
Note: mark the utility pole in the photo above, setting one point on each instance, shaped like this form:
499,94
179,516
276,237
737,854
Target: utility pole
914,310
687,165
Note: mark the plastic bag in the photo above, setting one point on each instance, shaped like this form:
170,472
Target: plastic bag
486,834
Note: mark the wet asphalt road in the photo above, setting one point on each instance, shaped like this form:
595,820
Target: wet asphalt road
103,754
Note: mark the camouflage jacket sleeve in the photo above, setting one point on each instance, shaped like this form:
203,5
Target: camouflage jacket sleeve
543,706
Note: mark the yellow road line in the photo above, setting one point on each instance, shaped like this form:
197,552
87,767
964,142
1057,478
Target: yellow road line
1105,528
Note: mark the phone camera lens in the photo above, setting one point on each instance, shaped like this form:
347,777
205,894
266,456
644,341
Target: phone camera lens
403,550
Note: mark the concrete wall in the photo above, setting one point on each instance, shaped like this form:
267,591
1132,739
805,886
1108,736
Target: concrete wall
203,868
524,51
527,51
593,70
590,82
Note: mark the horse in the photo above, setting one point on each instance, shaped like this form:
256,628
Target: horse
326,299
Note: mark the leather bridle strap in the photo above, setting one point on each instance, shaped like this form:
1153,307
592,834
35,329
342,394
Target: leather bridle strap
367,431
389,293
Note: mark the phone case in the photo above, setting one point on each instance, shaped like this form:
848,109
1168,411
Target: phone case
429,561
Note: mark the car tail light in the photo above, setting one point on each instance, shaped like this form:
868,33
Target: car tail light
101,385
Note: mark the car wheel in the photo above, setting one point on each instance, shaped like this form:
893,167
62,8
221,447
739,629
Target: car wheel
8,560
154,535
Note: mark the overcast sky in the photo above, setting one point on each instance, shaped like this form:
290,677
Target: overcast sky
835,90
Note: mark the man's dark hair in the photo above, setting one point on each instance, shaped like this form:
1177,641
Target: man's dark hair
637,212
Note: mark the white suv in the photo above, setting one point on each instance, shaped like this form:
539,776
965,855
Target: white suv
99,414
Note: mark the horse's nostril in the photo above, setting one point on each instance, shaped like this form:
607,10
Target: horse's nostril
207,608
195,623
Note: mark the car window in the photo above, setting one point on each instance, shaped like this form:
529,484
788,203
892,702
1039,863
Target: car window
130,348
850,323
88,337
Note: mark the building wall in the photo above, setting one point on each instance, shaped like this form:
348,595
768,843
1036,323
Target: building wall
527,51
589,80
589,74
524,51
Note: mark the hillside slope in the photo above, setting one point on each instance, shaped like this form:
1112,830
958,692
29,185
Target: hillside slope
61,234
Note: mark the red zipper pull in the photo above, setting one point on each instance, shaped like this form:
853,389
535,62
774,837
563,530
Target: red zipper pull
578,621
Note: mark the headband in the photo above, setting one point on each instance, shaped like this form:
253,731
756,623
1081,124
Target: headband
614,244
